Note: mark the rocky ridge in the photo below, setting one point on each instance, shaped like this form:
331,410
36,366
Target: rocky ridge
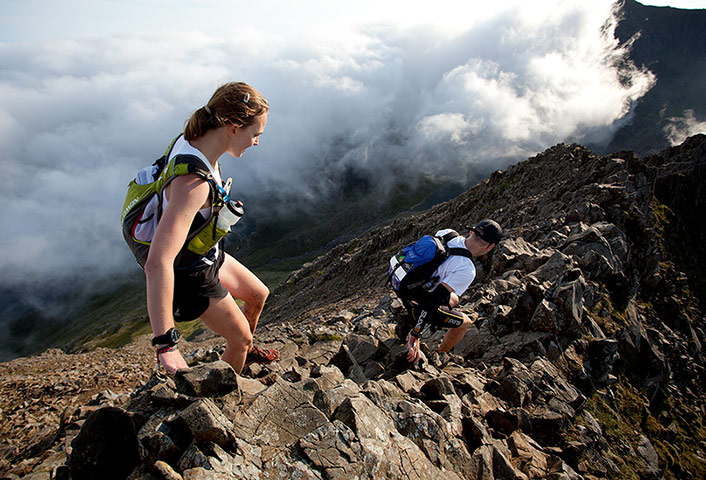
585,359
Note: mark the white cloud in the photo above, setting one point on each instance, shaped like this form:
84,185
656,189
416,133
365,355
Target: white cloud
397,84
679,128
453,126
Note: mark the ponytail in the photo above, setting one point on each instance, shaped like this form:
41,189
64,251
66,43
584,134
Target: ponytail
234,103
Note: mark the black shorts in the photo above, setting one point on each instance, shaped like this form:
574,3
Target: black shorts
194,289
442,317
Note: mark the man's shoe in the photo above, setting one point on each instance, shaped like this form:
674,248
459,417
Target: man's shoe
261,355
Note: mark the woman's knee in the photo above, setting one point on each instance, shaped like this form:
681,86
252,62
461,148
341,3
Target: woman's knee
258,294
239,338
243,341
262,292
225,318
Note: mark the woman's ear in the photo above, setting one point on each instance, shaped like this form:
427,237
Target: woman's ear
232,130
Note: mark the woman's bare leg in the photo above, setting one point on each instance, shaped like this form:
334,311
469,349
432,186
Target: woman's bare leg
244,285
227,320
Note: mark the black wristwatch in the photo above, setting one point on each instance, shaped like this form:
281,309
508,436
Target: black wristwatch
170,338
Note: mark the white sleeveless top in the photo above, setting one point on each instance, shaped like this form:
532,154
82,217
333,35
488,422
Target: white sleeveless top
145,231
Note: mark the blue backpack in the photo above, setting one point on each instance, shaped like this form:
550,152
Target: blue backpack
414,266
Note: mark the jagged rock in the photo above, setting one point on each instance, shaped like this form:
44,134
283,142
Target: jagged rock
602,354
386,453
593,252
348,365
434,435
649,457
545,318
569,297
498,347
279,416
210,379
384,394
450,408
327,376
207,423
143,473
283,466
333,447
193,457
247,389
555,267
639,350
528,456
196,464
204,474
550,384
410,382
162,394
321,353
502,466
166,471
490,462
160,438
106,447
328,400
437,387
547,425
485,402
516,253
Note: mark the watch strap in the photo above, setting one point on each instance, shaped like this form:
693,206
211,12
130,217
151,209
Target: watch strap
167,338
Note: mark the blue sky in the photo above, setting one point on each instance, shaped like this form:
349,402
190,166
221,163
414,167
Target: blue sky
92,90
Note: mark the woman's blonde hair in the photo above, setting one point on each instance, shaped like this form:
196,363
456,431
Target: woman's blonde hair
235,102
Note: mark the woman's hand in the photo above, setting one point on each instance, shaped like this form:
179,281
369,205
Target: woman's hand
412,349
172,360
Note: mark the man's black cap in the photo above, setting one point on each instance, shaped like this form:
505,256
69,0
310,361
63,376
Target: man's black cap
488,230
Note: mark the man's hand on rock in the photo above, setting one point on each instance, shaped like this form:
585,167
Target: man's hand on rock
412,349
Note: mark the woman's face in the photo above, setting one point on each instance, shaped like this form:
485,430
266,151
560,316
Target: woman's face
242,138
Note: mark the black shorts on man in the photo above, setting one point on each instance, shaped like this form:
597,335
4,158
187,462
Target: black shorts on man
441,317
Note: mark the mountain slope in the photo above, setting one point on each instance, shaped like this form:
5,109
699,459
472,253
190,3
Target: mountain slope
601,273
585,360
671,43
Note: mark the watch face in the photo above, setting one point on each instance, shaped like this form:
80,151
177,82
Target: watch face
175,335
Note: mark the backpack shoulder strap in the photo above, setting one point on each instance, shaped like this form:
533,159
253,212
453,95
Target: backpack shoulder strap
448,236
183,164
162,161
461,252
186,163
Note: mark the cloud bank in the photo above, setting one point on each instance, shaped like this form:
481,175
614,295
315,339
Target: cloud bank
79,116
679,129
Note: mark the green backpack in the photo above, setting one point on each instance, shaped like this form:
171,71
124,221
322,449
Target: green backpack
144,200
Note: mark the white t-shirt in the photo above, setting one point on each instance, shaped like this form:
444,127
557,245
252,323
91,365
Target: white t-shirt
457,272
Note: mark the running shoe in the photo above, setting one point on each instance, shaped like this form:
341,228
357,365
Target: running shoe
261,355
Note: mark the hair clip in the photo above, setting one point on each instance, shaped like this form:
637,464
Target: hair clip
246,98
208,109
